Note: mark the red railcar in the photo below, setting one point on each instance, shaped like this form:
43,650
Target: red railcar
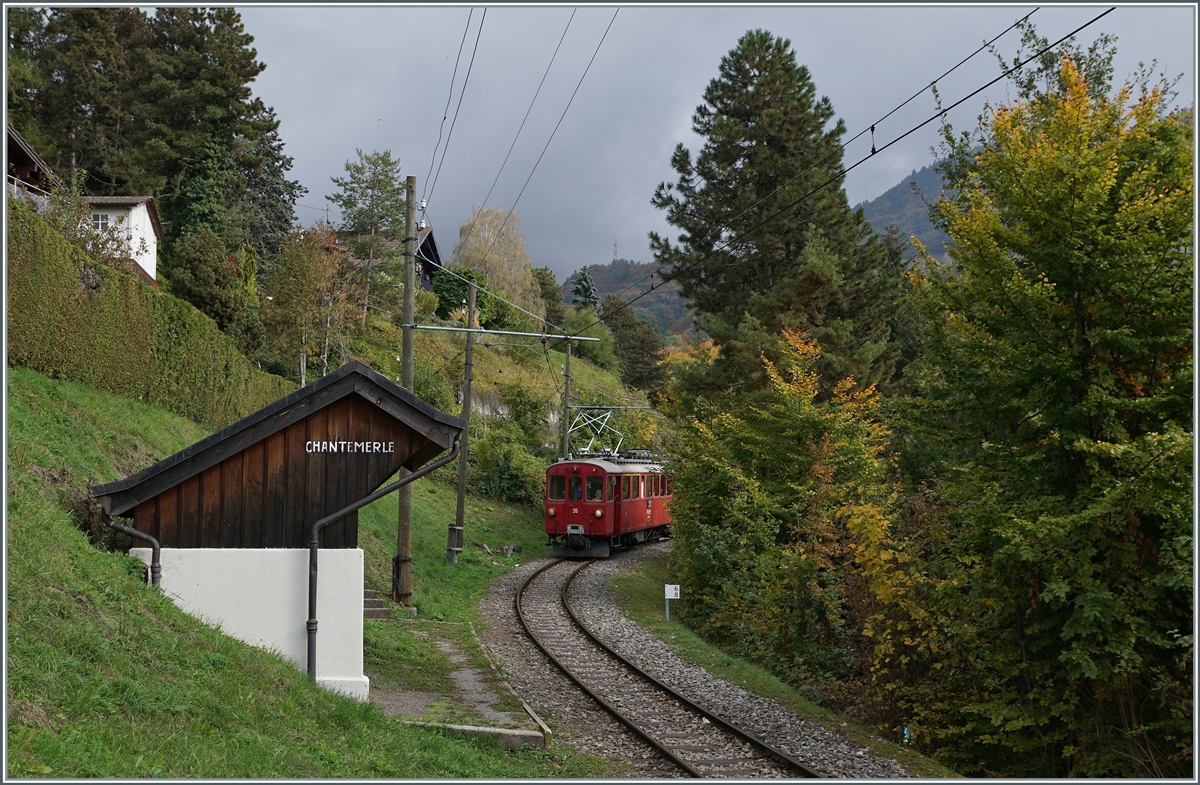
596,502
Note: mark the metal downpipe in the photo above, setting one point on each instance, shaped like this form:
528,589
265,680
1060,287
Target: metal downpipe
156,552
311,625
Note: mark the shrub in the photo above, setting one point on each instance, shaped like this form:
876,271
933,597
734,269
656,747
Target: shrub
72,318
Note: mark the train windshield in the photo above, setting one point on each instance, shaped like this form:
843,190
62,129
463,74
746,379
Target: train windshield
595,489
576,489
556,487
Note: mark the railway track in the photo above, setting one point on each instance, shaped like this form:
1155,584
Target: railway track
697,741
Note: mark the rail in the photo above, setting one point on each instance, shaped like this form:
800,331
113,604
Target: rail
724,725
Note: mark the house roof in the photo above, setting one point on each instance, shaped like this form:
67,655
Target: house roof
352,378
129,201
18,148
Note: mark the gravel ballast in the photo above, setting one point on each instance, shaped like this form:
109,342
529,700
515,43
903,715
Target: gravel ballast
578,721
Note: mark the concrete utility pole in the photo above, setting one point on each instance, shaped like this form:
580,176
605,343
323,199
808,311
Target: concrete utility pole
567,406
454,539
402,566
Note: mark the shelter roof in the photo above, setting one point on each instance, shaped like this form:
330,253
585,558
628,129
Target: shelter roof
353,378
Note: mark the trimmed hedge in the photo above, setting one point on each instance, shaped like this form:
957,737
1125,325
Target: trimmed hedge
71,318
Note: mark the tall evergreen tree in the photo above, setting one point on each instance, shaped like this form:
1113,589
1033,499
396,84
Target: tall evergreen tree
371,198
770,146
552,295
267,210
637,344
583,293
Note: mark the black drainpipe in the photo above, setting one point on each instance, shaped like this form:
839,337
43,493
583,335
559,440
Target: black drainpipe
155,562
328,519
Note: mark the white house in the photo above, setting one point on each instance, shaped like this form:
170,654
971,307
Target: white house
140,219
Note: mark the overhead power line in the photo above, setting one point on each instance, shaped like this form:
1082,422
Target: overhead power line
940,114
449,97
461,93
870,128
555,131
530,109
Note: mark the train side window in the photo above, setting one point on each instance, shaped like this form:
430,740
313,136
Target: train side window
595,489
612,487
556,487
625,487
576,489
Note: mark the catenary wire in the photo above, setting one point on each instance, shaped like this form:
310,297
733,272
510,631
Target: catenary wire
530,109
940,114
555,131
461,93
449,97
471,227
845,144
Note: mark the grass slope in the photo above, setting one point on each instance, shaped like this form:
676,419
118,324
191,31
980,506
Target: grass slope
107,678
640,596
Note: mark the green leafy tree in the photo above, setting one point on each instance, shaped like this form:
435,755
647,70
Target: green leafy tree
491,242
1049,633
552,296
206,275
637,345
307,311
586,323
765,493
771,156
371,198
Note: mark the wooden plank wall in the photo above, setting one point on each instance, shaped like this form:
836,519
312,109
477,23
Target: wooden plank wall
270,494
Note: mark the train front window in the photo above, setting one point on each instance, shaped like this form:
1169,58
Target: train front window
612,488
556,487
595,489
576,489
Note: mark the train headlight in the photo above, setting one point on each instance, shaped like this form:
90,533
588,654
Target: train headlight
598,513
550,511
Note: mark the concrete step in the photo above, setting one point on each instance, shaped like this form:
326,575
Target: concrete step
373,605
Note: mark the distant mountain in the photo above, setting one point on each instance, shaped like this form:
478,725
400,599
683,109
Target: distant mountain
665,309
908,209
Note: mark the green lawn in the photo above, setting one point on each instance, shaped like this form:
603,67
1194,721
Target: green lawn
107,678
640,596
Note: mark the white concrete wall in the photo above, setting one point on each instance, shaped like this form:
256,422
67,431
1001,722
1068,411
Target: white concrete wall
142,228
260,596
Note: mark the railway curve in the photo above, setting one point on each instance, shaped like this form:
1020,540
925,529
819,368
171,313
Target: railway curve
698,741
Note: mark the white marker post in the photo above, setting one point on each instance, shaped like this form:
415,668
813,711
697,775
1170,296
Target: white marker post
672,593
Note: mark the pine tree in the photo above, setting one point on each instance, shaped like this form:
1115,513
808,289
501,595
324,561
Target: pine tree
267,209
371,198
552,295
770,146
584,291
637,344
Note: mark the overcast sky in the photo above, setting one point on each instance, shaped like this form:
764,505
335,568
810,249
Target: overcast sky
378,78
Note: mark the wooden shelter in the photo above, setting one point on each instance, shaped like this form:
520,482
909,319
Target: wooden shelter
263,481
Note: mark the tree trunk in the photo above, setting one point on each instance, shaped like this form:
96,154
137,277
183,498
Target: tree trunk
370,263
325,351
303,357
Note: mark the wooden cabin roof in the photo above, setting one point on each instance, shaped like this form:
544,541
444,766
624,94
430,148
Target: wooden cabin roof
437,428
